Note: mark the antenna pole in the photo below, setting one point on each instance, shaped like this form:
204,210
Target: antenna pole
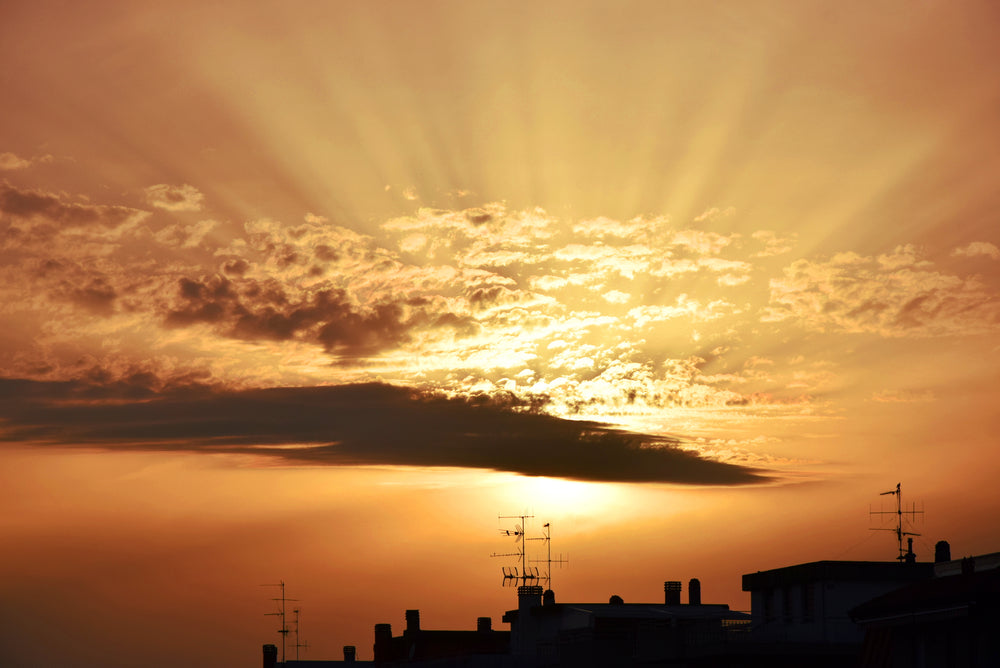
549,560
297,643
281,613
899,512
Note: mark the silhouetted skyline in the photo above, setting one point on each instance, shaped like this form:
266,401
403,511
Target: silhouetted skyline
313,290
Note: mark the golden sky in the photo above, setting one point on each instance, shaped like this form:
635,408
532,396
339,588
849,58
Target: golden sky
314,290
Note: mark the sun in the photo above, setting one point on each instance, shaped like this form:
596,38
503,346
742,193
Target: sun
558,498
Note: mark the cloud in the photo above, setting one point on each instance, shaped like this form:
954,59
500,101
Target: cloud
348,425
11,161
773,244
978,248
35,206
185,236
903,396
174,198
714,214
97,296
616,297
893,295
254,310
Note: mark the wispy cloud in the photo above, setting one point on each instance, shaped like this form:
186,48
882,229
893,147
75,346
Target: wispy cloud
11,161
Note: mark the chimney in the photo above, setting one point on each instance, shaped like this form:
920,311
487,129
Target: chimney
383,642
350,653
484,624
412,620
548,597
942,552
694,591
672,592
270,656
910,557
529,596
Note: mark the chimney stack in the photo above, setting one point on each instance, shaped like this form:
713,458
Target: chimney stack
412,620
350,653
672,592
529,596
694,591
383,642
942,552
270,656
484,624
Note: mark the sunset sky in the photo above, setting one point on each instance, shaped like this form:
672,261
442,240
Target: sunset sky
313,291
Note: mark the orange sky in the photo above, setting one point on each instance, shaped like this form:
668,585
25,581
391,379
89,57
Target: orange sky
313,291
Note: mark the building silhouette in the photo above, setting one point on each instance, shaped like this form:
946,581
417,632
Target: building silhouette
826,613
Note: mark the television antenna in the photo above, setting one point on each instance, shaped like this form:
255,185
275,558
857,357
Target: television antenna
284,630
549,560
304,645
900,511
511,575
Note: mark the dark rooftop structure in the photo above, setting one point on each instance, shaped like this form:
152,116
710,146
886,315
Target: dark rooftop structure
950,620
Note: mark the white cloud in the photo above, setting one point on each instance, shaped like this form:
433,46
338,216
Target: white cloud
616,297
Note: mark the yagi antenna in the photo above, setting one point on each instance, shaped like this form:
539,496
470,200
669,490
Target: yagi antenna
899,512
519,534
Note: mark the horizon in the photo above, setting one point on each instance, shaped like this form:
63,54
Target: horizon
314,292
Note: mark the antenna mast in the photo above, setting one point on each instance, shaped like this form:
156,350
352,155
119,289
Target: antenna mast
899,512
304,645
549,560
518,532
283,631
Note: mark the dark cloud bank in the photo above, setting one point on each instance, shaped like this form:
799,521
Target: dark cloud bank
362,424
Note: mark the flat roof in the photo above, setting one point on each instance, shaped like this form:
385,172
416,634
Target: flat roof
636,611
839,571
